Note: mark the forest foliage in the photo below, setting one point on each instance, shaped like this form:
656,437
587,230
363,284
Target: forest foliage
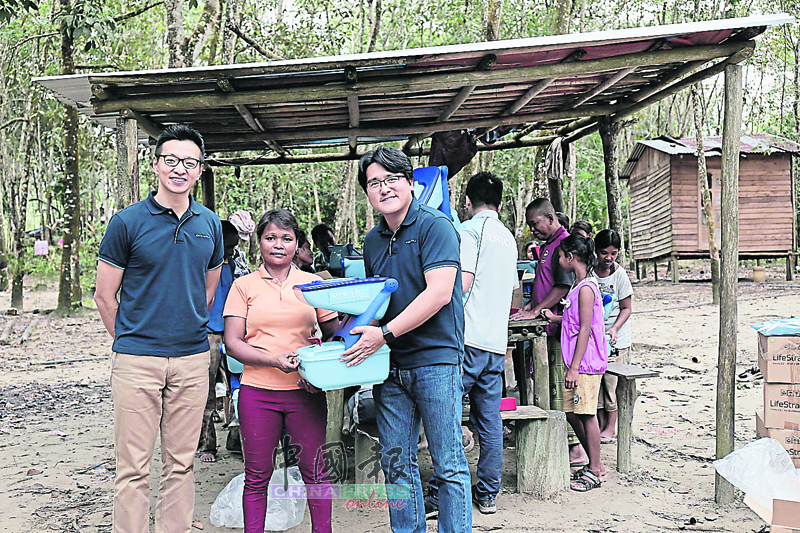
39,187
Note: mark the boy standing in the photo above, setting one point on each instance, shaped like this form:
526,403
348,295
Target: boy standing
424,327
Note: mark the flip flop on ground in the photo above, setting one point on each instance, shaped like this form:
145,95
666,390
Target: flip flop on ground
607,440
586,482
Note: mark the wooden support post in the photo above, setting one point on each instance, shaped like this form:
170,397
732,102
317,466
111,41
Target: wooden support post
728,315
333,431
673,266
789,267
655,270
207,178
367,458
626,398
609,134
522,371
542,455
541,372
127,163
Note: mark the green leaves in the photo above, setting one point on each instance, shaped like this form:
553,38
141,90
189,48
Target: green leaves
11,8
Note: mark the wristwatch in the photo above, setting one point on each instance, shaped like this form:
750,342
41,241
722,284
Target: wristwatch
388,336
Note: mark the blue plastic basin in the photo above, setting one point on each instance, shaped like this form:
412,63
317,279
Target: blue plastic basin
320,366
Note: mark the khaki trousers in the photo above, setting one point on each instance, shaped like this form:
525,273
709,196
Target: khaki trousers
152,393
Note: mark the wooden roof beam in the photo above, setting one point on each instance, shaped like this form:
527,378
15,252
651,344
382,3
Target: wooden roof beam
150,128
101,93
406,84
486,63
302,134
255,125
349,155
353,111
602,87
631,107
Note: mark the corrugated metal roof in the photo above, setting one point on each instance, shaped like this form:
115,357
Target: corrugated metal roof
367,98
759,143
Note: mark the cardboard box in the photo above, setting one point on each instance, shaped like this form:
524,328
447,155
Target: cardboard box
779,358
790,440
782,405
784,517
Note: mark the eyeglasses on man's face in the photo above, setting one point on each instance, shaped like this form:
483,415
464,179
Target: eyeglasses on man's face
390,181
189,163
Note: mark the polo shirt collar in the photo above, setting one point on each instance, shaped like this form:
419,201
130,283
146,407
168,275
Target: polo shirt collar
155,208
262,271
556,235
411,217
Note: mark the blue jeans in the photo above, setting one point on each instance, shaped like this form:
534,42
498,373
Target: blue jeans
483,382
430,394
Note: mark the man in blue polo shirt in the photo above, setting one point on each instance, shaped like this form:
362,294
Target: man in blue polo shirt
424,327
163,255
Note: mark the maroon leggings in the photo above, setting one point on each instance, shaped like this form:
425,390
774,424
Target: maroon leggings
262,415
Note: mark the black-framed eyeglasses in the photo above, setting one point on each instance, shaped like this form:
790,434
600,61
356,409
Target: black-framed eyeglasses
189,163
389,180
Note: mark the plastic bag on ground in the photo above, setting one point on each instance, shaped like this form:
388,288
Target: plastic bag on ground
763,470
282,513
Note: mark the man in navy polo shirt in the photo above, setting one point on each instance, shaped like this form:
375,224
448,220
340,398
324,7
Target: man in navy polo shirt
163,255
424,327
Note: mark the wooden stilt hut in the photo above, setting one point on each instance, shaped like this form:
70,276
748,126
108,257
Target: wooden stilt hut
667,221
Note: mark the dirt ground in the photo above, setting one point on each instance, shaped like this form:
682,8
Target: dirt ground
56,429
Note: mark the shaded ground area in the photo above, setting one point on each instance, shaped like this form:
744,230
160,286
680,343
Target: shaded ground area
56,428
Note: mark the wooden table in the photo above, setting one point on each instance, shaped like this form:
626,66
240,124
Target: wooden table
533,375
626,399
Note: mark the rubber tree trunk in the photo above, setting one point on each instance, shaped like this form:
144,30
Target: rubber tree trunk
728,315
19,209
609,134
69,293
708,210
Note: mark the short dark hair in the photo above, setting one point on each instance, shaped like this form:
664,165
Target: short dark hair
391,159
319,231
563,219
179,132
606,238
541,207
301,239
281,218
484,188
582,248
582,225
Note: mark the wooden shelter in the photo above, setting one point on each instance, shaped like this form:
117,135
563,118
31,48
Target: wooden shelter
667,220
561,86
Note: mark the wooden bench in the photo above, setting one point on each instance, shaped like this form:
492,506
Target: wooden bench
626,400
541,449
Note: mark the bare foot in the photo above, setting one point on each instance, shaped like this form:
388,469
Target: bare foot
208,457
577,456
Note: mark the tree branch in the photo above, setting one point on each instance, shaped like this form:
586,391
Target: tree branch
138,12
249,40
12,121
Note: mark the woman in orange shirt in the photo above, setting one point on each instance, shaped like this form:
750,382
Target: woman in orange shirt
265,324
